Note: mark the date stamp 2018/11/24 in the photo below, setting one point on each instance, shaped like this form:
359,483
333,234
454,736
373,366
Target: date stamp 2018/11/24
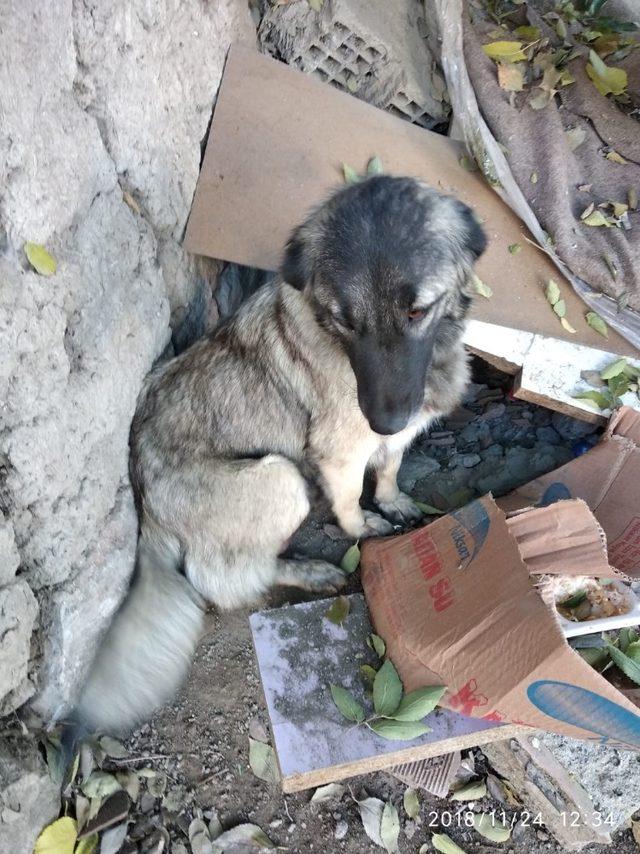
499,818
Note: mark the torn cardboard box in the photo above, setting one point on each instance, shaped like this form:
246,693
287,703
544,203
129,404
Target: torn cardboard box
276,148
455,604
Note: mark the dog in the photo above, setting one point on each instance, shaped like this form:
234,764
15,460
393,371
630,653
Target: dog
332,369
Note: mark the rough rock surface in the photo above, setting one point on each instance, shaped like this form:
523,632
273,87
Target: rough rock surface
104,109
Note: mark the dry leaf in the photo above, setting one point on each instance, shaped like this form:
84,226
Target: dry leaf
505,51
480,287
411,803
632,198
40,259
560,308
510,77
534,178
390,828
471,792
614,157
262,760
596,322
371,810
331,792
374,166
514,248
443,843
350,559
541,99
552,292
316,5
350,174
567,326
596,218
243,837
339,610
488,825
57,838
468,164
131,202
606,79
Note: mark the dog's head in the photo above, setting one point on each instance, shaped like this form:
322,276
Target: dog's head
386,264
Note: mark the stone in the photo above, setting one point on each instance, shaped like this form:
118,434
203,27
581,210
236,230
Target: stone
100,147
29,799
570,428
342,828
471,460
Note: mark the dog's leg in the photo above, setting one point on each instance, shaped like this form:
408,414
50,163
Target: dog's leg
395,505
343,483
307,574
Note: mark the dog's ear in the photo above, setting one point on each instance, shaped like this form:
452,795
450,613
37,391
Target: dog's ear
474,239
297,264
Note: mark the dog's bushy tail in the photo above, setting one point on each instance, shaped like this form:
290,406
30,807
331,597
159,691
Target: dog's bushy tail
148,649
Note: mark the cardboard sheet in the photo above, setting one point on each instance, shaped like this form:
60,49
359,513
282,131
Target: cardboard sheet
607,478
275,149
456,606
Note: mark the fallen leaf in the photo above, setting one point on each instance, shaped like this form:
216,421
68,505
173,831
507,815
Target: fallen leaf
316,5
331,792
488,826
377,644
411,803
534,178
130,782
560,308
88,845
504,50
387,690
529,34
614,157
131,202
428,509
468,164
510,77
398,730
113,747
100,785
157,784
541,99
567,326
374,166
113,838
390,828
480,287
350,559
611,266
471,792
368,674
575,137
350,174
418,704
263,762
632,198
339,611
40,259
597,218
247,835
607,79
589,209
501,791
57,838
596,322
82,806
619,209
443,843
596,397
552,292
371,810
613,369
347,705
514,248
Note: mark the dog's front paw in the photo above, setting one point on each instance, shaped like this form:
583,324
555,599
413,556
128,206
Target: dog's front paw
401,510
374,526
320,576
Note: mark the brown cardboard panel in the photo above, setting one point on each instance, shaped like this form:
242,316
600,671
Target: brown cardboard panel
455,599
275,149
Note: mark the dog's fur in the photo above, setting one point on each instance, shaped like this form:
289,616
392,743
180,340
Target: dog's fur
334,368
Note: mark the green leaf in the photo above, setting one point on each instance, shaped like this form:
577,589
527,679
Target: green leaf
390,828
488,826
560,308
627,636
263,762
471,792
100,785
387,690
514,248
633,651
411,803
88,845
505,50
428,509
606,79
347,704
350,559
398,730
573,601
628,666
600,400
376,643
596,322
339,610
40,259
594,657
418,704
552,292
368,674
57,838
374,166
350,174
613,369
481,287
316,5
443,843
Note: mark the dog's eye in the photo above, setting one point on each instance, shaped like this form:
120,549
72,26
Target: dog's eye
416,314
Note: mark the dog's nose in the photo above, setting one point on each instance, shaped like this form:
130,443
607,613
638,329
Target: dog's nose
388,424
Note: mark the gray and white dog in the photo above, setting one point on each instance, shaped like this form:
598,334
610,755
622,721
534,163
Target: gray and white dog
332,369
